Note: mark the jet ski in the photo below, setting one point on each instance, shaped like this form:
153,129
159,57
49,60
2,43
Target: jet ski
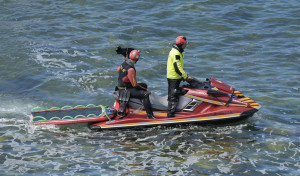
208,101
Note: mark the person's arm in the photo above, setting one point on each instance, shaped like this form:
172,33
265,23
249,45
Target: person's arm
118,69
132,77
142,87
178,68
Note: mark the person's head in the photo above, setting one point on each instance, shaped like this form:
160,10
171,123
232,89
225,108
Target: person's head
181,42
134,55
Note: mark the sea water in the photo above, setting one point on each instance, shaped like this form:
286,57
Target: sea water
57,53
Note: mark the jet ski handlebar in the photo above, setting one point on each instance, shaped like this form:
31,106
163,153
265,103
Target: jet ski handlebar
196,84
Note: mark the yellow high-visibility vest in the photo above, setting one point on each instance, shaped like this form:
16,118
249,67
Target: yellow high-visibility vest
171,73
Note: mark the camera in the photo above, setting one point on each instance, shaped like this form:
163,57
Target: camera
124,51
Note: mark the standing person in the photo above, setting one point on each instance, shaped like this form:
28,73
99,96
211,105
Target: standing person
128,86
175,73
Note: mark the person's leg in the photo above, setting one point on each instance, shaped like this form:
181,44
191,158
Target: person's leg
124,96
144,96
173,98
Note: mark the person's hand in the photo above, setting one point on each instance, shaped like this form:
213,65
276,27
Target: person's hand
189,78
149,91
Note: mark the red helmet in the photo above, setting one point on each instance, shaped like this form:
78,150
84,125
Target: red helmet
181,40
135,55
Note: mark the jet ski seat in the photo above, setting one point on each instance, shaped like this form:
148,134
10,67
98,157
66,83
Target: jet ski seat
159,102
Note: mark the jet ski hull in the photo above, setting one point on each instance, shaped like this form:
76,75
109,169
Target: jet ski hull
217,117
208,102
211,102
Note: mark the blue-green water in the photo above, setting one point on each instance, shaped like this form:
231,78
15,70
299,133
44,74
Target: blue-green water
56,53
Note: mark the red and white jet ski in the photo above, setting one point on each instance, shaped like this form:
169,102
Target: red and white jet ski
208,101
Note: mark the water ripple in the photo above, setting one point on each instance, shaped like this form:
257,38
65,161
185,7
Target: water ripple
56,53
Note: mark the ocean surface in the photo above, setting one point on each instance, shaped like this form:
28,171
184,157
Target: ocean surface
57,53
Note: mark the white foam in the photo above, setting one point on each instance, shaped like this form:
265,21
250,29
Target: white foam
41,58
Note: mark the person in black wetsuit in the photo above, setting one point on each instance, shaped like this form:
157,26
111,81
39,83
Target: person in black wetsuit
128,86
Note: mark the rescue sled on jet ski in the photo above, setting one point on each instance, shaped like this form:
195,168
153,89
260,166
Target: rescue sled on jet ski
199,102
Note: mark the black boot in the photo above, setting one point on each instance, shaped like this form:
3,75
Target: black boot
148,108
121,113
172,108
169,115
124,96
150,116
